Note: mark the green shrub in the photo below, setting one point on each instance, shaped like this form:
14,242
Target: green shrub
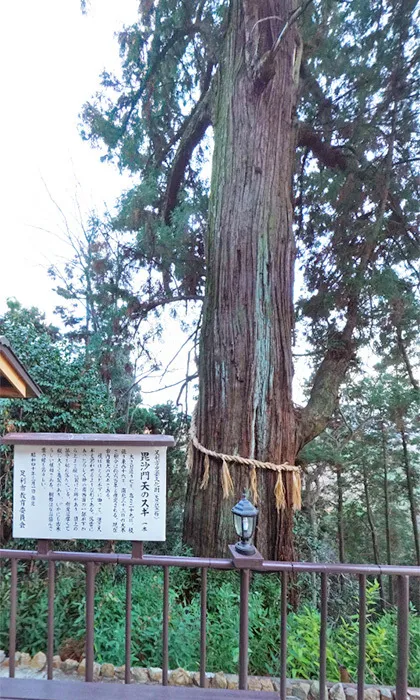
184,623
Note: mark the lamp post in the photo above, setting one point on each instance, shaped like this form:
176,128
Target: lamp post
245,520
244,557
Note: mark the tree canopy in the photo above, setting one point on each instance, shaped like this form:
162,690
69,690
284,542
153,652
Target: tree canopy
356,171
344,78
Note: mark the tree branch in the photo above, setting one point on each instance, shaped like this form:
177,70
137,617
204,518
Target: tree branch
324,397
264,69
198,122
331,156
141,309
179,33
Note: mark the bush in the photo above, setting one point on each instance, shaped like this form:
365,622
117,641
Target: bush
184,623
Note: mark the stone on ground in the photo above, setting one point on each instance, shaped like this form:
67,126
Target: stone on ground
337,692
107,670
69,665
219,680
139,674
155,674
180,677
38,661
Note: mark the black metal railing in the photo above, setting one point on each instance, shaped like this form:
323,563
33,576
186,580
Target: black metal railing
288,571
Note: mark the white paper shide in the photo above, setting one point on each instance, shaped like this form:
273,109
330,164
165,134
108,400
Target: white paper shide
89,492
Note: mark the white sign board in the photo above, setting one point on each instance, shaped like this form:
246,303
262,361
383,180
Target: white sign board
89,492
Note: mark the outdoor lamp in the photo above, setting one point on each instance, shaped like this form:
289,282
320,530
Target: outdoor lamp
245,520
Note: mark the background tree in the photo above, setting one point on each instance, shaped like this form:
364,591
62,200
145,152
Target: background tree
77,399
324,92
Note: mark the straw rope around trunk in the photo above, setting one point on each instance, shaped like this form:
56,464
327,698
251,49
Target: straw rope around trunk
253,464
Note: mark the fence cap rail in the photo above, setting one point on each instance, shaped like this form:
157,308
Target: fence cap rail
100,439
210,563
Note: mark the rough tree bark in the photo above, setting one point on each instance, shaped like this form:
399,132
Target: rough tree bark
387,513
245,374
340,528
372,527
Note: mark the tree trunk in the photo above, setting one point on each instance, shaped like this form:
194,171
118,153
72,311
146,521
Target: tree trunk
340,530
411,495
372,529
245,374
387,521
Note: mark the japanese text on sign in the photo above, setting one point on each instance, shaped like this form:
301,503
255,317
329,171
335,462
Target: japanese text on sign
90,492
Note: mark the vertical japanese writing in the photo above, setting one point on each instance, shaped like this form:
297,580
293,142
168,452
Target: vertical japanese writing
83,515
108,473
51,486
123,472
144,488
131,495
43,466
100,490
157,484
76,484
116,462
91,489
67,486
58,489
33,479
22,504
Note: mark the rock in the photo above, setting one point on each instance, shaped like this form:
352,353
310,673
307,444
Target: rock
139,675
254,683
314,690
196,678
69,665
2,656
276,685
120,672
38,661
232,680
300,690
180,677
350,693
413,693
219,680
17,658
155,674
25,660
107,670
372,694
56,661
337,692
81,669
386,693
267,684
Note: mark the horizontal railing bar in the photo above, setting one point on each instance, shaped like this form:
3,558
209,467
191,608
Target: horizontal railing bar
339,569
123,559
199,562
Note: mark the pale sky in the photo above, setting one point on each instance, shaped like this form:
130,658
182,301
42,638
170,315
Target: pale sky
52,57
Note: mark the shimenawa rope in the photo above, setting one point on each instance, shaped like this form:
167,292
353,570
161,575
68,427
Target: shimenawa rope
254,464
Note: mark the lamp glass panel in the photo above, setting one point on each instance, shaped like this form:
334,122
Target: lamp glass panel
250,526
237,520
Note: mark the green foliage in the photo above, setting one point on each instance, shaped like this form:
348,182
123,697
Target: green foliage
184,624
75,399
362,452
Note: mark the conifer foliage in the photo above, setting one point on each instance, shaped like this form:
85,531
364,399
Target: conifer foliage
313,112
